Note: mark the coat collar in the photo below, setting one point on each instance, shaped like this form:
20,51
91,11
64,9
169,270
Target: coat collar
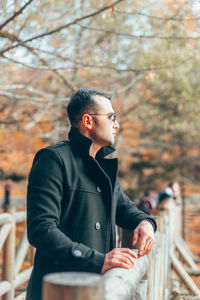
82,144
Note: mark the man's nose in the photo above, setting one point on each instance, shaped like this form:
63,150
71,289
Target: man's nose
116,125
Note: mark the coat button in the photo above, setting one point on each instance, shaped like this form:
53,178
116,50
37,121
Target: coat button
98,189
97,225
77,253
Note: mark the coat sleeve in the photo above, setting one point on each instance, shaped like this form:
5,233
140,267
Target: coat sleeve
128,216
44,197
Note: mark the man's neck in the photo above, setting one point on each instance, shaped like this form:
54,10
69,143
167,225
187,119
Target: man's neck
94,148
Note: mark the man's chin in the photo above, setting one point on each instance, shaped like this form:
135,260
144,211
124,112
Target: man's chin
108,144
112,142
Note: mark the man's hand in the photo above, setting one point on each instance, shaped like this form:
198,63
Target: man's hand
119,258
144,233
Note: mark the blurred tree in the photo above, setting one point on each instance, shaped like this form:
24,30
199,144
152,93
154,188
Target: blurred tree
166,103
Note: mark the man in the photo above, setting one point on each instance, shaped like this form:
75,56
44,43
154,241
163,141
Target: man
74,201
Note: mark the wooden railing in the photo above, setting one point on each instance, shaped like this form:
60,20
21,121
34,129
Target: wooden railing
117,283
152,276
179,255
13,257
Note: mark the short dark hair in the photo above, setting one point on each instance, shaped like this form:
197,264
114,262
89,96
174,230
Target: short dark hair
80,101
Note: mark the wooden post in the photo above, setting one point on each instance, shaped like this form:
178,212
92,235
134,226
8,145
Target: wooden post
22,277
186,257
165,275
9,257
184,276
21,252
195,257
193,272
154,274
160,272
150,277
4,287
73,286
184,229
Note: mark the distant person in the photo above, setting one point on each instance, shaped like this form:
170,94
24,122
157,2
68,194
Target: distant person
147,202
175,189
171,191
7,191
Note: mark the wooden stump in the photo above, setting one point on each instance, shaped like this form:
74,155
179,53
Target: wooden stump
73,286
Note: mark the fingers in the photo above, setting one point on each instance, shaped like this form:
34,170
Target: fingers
119,258
145,234
128,251
123,262
145,246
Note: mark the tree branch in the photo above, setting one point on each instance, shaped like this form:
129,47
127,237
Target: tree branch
35,100
64,26
15,14
141,36
126,87
86,65
24,87
178,19
32,50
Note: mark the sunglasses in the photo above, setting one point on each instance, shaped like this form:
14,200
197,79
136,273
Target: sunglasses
111,116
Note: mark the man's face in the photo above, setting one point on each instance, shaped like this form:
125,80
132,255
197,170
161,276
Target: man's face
105,126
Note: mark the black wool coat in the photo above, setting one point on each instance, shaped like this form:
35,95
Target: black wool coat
73,204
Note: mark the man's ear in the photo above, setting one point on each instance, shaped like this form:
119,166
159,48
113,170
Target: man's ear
87,121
